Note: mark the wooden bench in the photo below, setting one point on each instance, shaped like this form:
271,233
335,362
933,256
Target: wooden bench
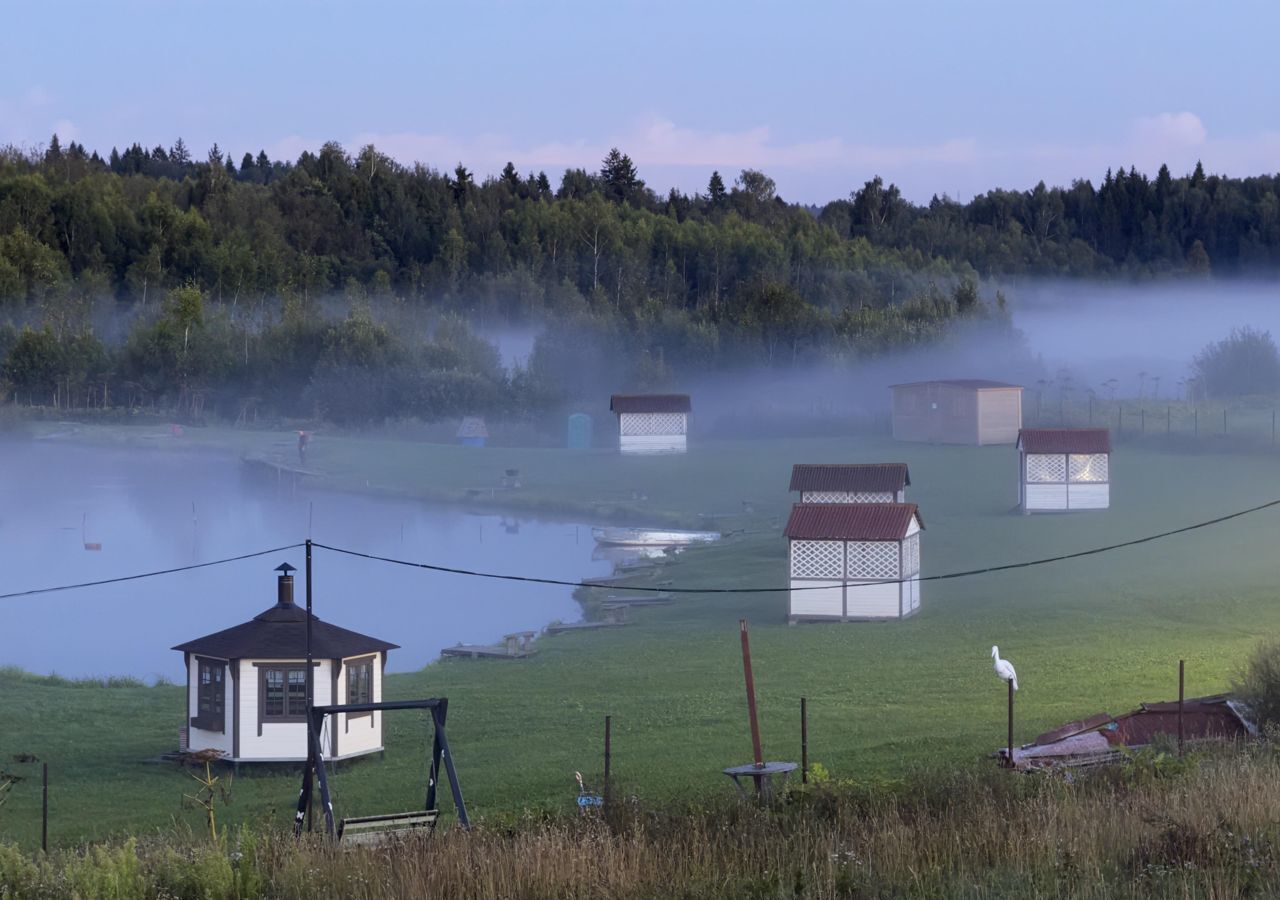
373,830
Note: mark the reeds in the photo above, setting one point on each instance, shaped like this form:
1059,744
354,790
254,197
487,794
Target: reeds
1208,828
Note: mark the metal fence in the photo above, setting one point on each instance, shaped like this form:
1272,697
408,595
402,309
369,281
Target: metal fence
1240,422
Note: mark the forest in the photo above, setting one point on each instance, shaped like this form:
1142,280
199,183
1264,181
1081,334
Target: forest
351,287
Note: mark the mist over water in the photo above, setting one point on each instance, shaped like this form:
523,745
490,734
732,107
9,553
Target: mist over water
151,511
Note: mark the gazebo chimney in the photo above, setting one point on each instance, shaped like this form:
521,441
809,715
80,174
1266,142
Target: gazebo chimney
284,586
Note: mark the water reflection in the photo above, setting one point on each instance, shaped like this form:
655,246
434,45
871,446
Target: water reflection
151,511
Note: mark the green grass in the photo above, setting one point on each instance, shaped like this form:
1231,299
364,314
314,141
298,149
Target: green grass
1100,633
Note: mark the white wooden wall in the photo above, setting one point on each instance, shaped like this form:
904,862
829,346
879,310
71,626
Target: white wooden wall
1056,481
652,432
873,600
360,734
198,738
826,600
281,740
847,577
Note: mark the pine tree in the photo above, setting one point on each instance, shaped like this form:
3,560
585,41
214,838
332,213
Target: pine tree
716,192
179,153
511,178
618,174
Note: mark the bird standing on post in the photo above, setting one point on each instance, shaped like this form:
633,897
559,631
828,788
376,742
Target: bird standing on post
1004,668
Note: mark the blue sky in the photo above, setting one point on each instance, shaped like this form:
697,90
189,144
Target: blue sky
940,97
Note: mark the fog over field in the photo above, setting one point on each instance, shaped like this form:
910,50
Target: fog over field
1101,331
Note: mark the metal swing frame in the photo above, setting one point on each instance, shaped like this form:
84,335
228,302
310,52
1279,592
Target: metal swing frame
315,769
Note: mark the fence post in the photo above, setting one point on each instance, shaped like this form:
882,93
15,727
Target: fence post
1168,420
1224,421
1273,424
1120,419
1196,413
1091,409
1142,419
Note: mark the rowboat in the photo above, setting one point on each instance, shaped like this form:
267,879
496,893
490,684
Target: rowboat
646,537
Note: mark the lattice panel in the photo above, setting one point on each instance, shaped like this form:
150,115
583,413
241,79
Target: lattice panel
873,559
1089,467
646,424
911,556
1044,467
817,559
846,497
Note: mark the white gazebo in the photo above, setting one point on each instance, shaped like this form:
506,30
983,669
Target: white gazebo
247,689
851,483
651,423
1064,469
854,561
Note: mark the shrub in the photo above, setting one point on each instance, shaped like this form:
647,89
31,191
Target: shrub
1258,684
1245,362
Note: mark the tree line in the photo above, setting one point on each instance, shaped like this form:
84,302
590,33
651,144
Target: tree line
645,287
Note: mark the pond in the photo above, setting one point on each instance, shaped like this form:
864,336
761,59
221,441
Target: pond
72,514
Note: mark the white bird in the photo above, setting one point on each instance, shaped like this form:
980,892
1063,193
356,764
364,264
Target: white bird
1004,668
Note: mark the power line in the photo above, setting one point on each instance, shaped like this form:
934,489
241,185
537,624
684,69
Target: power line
967,573
203,565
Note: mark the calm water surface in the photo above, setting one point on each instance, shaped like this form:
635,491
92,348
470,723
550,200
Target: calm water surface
155,511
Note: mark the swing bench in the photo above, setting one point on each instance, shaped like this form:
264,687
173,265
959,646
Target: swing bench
384,827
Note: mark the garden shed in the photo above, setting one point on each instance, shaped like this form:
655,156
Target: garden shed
246,685
1064,469
851,482
962,411
854,561
651,423
472,432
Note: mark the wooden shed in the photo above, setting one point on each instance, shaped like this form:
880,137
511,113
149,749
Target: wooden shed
651,423
1064,469
854,561
246,685
962,411
851,482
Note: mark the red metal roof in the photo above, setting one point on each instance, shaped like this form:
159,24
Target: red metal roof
1064,440
650,403
851,521
973,384
851,477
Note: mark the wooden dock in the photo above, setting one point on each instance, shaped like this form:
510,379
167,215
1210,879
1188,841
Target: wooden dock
514,646
583,626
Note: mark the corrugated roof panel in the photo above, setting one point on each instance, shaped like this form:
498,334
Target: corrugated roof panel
650,403
1064,440
851,477
851,521
973,384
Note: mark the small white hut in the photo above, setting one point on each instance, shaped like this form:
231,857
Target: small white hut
851,482
247,687
1064,469
651,423
854,561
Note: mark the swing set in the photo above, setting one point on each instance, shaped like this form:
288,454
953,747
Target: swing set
368,829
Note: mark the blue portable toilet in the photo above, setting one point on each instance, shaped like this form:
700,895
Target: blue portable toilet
579,431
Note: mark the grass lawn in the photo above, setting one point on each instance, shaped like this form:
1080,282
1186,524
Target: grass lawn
1099,633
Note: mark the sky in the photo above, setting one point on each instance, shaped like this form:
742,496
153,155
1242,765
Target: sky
949,98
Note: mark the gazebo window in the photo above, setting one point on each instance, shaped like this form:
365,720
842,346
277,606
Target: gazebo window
210,695
1091,467
283,690
360,681
1046,468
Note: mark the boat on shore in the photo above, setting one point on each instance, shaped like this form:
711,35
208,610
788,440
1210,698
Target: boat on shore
650,537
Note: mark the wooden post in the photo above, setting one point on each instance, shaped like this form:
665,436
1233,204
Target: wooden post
1196,418
751,702
804,741
1273,424
310,678
1168,420
1010,683
44,807
1224,421
1142,419
1181,670
608,756
1091,409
